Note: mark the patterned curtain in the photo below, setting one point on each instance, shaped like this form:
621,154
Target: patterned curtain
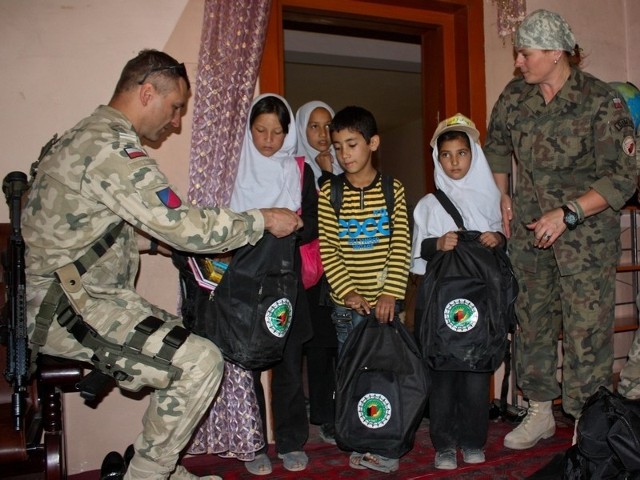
233,36
510,15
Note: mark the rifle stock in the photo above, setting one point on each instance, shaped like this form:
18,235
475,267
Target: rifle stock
18,356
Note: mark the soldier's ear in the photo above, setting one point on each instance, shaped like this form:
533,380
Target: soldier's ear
146,93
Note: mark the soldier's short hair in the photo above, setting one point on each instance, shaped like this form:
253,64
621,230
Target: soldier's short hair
151,66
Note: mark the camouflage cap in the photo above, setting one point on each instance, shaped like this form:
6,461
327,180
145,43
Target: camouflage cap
459,123
545,30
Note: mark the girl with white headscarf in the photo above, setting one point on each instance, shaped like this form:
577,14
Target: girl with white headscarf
475,195
458,409
314,144
269,176
312,150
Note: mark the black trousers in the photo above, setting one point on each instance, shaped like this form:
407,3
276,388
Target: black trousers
321,352
459,409
290,422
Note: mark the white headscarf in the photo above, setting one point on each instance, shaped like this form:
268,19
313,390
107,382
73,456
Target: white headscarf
264,182
306,150
476,197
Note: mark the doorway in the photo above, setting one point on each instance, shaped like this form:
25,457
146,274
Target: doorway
450,34
383,76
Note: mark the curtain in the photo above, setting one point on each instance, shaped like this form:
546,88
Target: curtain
231,46
510,15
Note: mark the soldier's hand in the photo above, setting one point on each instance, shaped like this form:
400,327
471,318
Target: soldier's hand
280,222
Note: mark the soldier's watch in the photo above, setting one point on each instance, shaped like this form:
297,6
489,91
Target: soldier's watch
571,218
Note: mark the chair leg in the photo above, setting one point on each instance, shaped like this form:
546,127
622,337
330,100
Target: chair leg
54,442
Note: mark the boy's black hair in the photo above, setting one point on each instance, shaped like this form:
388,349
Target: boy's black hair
356,119
452,135
271,104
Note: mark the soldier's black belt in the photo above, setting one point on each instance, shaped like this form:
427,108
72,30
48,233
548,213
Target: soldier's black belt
105,353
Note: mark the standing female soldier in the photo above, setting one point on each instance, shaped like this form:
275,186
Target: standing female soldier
572,140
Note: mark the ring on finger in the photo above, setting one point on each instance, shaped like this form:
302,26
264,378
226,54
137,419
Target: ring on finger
547,236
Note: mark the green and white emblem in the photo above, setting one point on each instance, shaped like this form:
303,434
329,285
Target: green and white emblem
374,410
278,317
460,315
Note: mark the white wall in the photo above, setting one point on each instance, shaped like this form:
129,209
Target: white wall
61,58
605,29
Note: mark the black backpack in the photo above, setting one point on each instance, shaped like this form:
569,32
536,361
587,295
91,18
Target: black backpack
381,390
608,445
465,304
248,315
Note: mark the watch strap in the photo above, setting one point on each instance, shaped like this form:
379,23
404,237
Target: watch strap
576,206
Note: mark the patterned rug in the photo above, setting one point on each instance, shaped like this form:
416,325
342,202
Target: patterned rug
327,462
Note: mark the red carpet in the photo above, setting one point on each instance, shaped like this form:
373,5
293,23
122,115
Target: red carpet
327,462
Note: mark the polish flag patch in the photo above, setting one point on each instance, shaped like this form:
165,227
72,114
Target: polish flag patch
135,152
169,198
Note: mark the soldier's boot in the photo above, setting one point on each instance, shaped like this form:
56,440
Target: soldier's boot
181,473
537,425
143,468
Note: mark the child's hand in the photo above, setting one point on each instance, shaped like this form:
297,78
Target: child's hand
490,239
385,308
447,242
357,302
325,161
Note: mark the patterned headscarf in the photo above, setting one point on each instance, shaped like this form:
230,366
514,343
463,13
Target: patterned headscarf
545,30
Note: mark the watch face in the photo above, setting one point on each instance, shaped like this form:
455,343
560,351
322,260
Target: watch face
570,218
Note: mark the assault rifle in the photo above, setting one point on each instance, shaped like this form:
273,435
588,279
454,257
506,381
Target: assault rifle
18,354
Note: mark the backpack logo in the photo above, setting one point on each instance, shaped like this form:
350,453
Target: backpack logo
278,317
460,315
374,410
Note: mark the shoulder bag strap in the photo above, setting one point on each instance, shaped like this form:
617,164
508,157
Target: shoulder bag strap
450,208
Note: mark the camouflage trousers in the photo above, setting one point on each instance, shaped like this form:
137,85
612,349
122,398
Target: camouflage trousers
629,385
175,409
582,308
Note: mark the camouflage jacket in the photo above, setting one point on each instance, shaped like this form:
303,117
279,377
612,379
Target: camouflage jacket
98,175
583,139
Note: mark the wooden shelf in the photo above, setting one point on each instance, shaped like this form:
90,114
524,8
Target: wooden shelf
631,269
628,268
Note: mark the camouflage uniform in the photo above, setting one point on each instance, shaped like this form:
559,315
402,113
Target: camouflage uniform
579,141
96,176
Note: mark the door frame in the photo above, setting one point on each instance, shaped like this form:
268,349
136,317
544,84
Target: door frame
452,37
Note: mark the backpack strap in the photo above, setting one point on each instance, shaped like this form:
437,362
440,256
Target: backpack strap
450,208
300,162
337,187
389,197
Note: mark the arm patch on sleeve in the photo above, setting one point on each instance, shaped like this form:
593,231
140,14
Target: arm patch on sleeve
135,152
169,198
629,146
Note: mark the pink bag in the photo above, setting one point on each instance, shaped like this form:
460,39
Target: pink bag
312,270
